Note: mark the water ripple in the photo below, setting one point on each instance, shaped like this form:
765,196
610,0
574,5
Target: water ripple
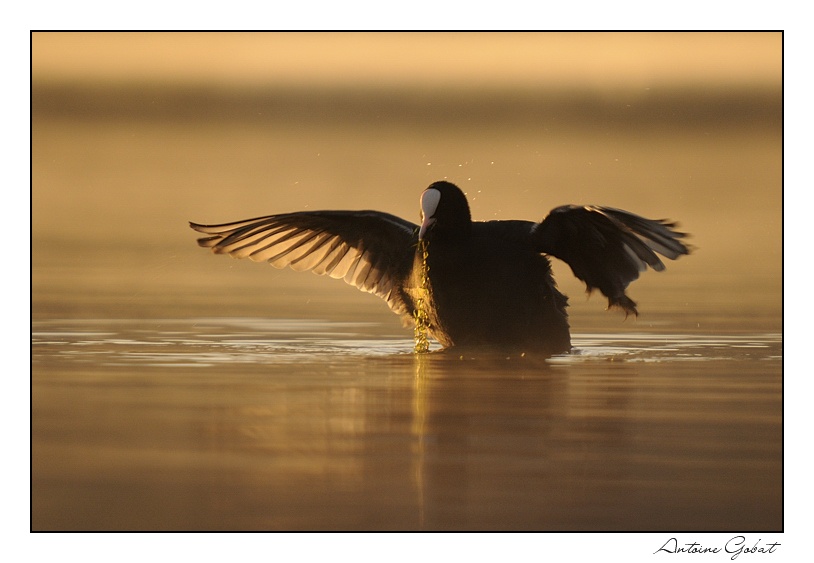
206,342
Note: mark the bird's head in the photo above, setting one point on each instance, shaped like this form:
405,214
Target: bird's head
444,212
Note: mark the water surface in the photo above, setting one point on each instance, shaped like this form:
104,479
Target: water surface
245,423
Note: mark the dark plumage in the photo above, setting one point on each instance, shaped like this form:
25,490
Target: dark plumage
489,283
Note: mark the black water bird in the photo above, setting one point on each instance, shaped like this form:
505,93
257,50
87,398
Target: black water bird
484,284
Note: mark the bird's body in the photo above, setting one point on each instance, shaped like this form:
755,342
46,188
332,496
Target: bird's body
474,286
478,284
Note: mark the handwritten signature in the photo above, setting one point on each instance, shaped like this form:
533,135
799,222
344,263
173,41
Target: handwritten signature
735,546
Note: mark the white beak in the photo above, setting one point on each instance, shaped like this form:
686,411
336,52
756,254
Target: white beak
429,204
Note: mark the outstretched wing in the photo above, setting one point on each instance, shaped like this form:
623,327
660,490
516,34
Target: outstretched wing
370,250
607,248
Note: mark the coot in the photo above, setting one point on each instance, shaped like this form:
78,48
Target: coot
485,284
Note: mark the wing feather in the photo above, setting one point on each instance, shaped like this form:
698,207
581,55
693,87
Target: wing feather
370,250
607,248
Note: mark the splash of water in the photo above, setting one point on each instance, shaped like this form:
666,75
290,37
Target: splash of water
420,316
